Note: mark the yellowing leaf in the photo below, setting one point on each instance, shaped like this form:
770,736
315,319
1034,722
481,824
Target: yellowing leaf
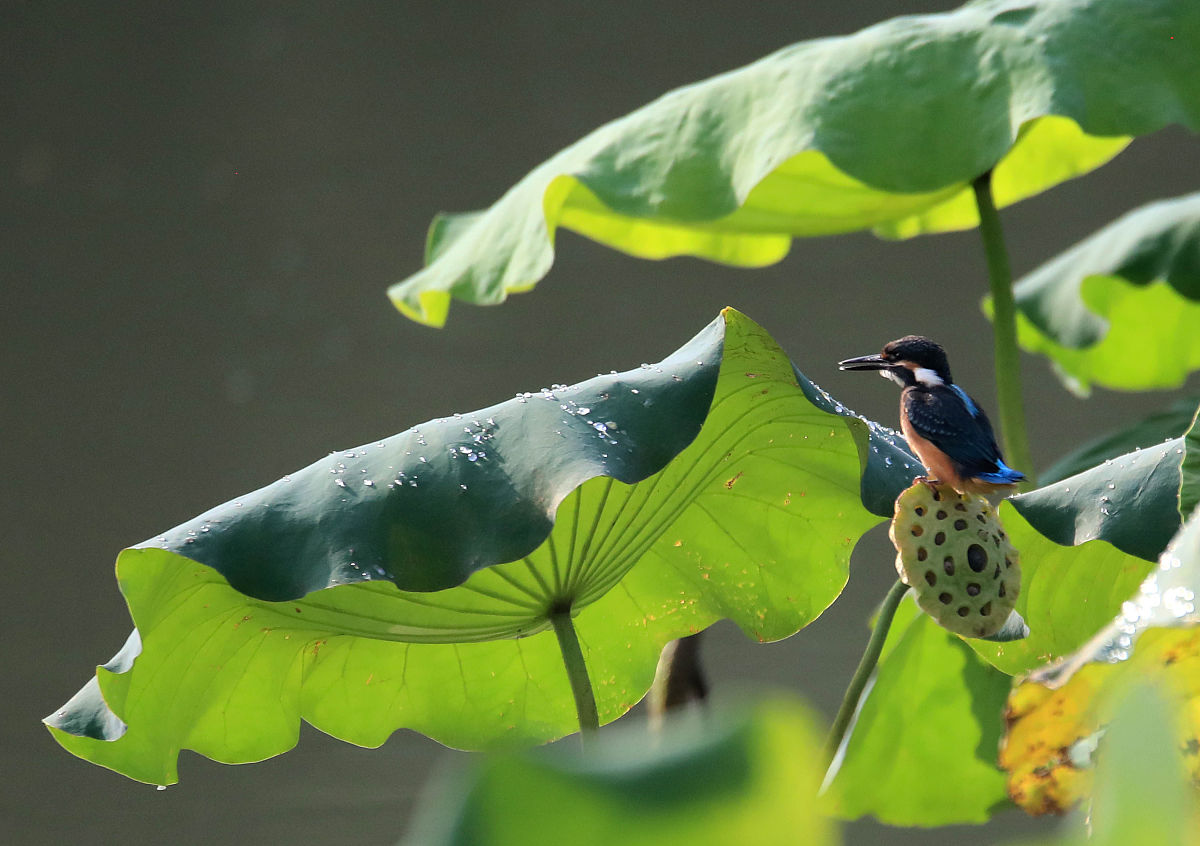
1056,718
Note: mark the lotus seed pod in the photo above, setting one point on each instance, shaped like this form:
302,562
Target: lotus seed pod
953,552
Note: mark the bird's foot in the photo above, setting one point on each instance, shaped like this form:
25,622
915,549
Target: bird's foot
932,484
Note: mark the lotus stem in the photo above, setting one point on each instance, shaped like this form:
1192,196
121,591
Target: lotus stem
577,674
862,675
1004,322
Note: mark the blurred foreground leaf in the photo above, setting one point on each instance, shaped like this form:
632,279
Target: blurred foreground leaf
304,600
746,779
1141,795
882,129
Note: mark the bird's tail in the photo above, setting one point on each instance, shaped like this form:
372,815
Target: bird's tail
1004,475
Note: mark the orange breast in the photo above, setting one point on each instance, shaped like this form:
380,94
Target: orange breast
936,462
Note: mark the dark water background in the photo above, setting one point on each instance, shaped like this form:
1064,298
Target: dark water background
202,206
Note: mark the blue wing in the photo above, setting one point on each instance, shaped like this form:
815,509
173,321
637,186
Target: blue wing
950,420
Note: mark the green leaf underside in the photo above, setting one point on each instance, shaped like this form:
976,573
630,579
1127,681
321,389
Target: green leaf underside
1189,483
1129,501
1121,308
752,778
923,747
753,521
1160,426
428,507
1068,593
883,129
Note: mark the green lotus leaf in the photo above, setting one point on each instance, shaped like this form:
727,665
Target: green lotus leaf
749,778
1057,716
1189,483
883,129
1121,308
1161,426
1068,593
712,485
1129,501
1085,544
922,750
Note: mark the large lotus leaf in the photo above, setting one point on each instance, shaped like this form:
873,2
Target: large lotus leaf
1121,308
885,128
754,520
1160,426
922,750
750,778
1129,501
1189,482
1057,716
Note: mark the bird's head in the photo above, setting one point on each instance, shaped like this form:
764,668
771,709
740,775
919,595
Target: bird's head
911,360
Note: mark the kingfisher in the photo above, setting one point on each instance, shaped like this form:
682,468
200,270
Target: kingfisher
945,427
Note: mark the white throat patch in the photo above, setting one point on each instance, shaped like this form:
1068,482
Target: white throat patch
889,374
927,377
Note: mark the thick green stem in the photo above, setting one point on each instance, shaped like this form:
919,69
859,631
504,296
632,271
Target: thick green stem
1004,321
581,685
866,666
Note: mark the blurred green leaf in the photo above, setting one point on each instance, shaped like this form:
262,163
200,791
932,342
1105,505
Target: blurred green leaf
1056,716
1163,425
746,779
885,128
286,605
922,750
1141,795
1121,308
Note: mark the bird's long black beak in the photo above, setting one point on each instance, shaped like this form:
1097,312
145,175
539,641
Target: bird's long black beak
865,362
